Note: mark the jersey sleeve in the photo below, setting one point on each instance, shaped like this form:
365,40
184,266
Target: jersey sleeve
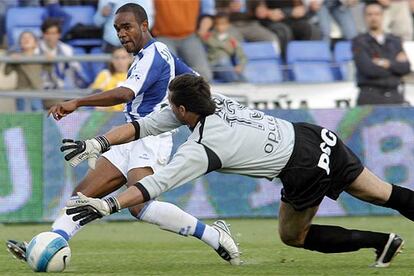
189,162
182,68
158,122
143,73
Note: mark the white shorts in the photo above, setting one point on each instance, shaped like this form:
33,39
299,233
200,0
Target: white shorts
151,151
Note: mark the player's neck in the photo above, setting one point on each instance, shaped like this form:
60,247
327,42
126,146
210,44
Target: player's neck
192,119
147,38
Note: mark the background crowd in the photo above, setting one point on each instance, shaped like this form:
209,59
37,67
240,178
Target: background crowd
211,37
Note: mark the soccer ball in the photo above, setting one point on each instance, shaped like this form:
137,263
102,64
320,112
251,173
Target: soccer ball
48,252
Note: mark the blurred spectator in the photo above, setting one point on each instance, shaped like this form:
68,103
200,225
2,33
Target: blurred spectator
225,54
412,9
64,74
104,17
397,17
292,13
29,75
116,73
245,24
176,25
380,61
79,2
54,10
340,11
3,9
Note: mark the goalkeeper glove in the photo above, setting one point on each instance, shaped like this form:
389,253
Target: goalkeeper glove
86,209
78,151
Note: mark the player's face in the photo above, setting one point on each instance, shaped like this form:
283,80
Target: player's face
178,112
130,32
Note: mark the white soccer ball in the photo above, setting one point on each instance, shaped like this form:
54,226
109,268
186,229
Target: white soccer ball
48,252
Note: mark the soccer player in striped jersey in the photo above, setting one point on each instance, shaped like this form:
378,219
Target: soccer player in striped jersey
144,91
311,161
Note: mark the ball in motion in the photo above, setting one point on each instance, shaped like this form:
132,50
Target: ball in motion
48,252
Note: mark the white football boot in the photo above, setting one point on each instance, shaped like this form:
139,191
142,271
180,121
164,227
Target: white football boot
228,248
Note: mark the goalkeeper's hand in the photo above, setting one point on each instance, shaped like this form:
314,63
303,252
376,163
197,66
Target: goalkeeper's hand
86,209
78,151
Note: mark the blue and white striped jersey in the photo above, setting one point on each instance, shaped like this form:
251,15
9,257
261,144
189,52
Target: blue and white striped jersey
148,77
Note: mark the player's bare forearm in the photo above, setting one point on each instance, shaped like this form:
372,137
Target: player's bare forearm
130,197
111,97
121,134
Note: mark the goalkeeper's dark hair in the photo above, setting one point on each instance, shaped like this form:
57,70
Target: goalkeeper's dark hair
138,11
192,92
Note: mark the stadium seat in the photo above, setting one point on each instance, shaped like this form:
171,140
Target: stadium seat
263,65
310,61
96,66
19,19
86,66
82,15
343,57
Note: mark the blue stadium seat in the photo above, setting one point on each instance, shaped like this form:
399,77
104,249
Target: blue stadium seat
97,67
86,66
82,15
343,55
19,19
310,61
263,65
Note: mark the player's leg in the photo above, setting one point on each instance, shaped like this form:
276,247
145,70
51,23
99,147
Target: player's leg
105,179
294,225
101,181
172,218
368,187
296,230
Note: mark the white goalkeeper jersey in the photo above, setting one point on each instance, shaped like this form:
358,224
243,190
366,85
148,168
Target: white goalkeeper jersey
235,139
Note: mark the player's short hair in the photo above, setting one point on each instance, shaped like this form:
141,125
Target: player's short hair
192,92
50,23
138,11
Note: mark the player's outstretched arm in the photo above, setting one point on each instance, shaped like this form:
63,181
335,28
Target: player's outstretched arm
109,98
156,123
87,209
190,162
78,151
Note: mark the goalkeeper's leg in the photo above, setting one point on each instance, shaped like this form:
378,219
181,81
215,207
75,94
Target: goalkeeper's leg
296,230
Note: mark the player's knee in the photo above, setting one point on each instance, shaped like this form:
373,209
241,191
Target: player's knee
295,239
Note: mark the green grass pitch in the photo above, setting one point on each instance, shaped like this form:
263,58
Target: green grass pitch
134,248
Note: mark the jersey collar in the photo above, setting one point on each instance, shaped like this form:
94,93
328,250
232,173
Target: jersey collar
151,41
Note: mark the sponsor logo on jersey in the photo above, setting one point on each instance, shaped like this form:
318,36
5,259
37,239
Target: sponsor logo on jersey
329,140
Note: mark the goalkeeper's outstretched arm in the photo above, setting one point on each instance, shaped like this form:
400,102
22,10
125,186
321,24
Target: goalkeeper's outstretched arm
155,123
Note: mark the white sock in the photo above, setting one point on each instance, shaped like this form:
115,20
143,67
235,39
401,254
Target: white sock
169,217
65,226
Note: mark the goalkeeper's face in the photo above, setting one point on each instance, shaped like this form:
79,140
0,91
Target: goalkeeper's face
131,33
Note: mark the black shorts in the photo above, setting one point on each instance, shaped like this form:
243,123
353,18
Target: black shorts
320,165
